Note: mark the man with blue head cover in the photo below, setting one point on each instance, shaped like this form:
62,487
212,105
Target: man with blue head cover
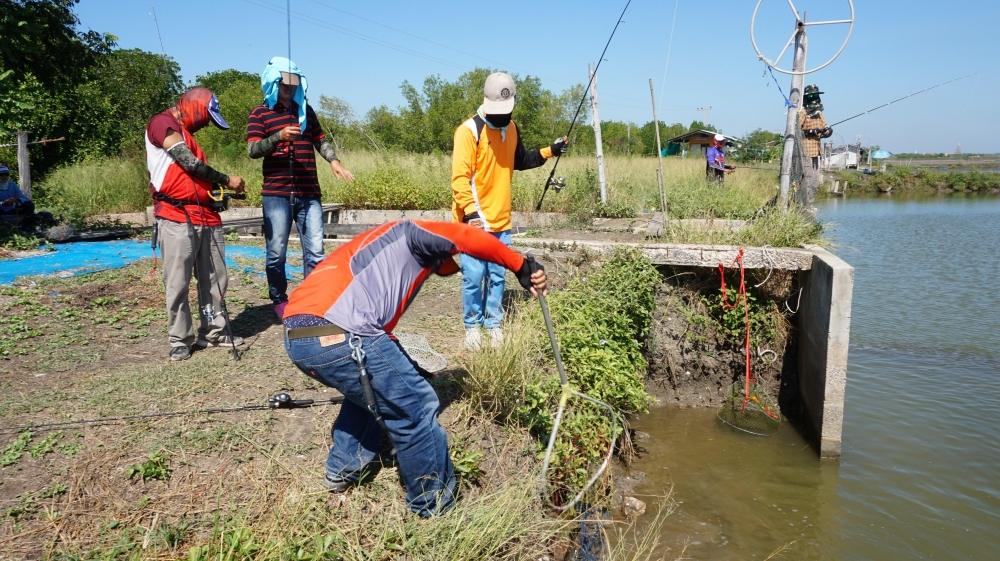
285,132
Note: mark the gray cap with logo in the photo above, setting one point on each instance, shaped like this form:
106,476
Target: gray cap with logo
499,94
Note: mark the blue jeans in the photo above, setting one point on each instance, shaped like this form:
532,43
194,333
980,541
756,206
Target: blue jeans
278,214
482,289
408,406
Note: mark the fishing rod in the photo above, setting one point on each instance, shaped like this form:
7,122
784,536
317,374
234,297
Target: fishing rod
902,98
559,183
280,400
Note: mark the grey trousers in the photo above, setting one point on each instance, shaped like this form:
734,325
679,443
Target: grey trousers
187,249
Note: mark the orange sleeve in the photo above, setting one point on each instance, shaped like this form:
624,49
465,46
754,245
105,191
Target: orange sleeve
475,242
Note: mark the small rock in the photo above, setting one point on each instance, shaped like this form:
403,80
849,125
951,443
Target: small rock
640,436
633,507
637,475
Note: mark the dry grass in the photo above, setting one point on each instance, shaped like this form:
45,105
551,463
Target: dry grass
241,485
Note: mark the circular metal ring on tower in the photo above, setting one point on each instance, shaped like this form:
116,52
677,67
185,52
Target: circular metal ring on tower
800,27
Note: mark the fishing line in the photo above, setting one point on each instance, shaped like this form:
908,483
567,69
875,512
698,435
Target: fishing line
551,180
670,47
927,89
280,400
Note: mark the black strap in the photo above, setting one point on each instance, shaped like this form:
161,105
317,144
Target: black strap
179,203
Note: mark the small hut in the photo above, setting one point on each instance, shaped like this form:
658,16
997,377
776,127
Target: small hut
701,139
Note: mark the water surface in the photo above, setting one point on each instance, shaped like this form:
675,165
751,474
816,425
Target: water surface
920,472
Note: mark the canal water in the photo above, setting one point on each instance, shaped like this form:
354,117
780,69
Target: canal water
919,478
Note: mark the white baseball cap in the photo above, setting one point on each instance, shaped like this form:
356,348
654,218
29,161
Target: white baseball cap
499,94
719,138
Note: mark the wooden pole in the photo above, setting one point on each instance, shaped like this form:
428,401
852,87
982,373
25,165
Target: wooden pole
659,157
598,143
23,163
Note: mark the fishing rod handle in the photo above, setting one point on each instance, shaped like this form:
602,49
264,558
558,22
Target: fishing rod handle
552,339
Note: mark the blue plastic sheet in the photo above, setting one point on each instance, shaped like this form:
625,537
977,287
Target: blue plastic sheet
79,258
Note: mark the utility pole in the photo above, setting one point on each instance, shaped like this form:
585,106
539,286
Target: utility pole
23,163
628,138
792,117
599,147
659,157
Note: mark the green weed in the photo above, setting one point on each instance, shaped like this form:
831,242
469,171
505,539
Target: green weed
156,466
466,463
12,452
46,446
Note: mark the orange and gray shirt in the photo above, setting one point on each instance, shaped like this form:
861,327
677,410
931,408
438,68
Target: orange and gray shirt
365,285
482,165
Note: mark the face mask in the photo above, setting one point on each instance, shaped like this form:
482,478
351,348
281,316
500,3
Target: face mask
499,121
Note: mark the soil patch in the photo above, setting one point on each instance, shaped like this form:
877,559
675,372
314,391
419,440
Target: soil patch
694,358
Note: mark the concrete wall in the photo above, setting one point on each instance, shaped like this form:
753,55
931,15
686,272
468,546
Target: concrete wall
824,332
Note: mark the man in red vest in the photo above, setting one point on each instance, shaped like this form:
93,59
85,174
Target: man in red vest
188,226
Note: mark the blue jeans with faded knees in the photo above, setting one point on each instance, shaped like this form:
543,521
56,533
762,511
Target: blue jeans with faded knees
278,215
408,406
482,289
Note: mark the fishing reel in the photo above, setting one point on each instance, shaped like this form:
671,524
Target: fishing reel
556,183
825,132
220,197
283,400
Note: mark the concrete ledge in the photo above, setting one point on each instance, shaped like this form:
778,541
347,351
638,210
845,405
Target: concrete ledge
824,333
521,219
687,255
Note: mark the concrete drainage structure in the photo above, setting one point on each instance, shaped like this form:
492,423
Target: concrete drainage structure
823,317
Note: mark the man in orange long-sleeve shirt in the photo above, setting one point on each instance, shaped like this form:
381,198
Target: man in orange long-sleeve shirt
487,150
338,330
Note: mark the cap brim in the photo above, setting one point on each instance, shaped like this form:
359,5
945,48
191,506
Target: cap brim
218,120
501,107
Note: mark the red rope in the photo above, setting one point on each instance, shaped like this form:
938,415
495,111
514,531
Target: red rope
741,294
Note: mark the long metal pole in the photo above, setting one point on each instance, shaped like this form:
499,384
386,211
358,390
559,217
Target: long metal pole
598,143
23,163
792,117
659,157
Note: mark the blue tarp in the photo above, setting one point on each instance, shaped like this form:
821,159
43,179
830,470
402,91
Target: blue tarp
881,154
78,258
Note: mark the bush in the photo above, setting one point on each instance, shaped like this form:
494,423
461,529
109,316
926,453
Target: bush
391,187
601,321
97,187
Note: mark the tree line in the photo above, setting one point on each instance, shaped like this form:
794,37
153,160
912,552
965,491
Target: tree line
56,80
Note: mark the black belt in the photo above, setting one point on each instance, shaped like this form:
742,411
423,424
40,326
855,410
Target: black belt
314,331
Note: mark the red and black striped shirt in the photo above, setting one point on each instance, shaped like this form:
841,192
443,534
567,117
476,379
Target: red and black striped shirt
281,178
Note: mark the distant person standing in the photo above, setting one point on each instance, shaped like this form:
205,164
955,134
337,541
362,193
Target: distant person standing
285,131
715,160
813,124
188,227
488,149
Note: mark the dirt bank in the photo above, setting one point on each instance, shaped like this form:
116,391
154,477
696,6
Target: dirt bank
696,354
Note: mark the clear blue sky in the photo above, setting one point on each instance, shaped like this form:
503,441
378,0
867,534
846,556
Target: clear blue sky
362,52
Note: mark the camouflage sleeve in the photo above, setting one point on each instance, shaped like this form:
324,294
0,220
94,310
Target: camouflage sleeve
264,146
326,149
191,164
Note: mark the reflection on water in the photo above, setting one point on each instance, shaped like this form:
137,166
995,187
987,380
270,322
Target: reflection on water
740,496
919,478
